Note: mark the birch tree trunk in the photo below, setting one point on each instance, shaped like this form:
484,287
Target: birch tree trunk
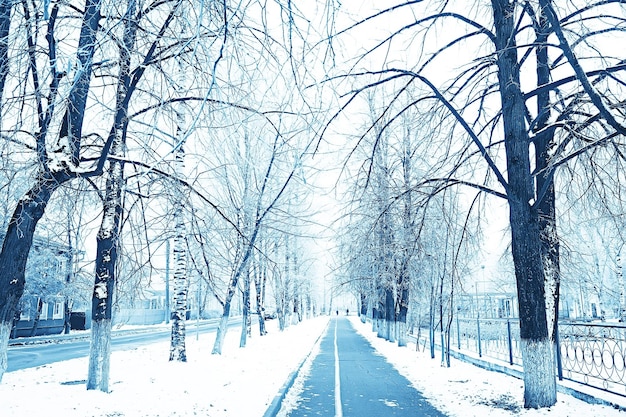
181,283
260,278
537,349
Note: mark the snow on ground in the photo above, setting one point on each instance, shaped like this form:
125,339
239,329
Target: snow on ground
243,382
465,390
240,382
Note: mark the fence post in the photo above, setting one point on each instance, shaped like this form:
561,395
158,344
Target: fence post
508,330
559,364
458,333
480,351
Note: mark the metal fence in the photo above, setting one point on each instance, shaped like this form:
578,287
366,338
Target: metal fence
593,354
589,353
494,338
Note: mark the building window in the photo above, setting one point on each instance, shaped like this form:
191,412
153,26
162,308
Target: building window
58,311
44,312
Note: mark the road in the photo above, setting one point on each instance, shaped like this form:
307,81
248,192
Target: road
29,356
349,379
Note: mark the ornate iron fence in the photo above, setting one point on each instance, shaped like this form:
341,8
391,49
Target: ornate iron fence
593,354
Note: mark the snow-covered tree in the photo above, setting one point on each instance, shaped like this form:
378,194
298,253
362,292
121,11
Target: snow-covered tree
511,115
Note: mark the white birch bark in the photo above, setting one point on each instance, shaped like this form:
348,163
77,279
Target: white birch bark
181,283
178,351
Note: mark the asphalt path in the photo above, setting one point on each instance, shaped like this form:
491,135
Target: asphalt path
348,378
61,348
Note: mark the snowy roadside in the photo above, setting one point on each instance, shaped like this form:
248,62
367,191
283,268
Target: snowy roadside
240,382
243,382
465,390
117,330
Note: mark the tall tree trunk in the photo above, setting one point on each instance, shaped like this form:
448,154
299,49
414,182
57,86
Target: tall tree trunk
537,352
181,287
178,350
260,278
223,326
107,240
232,286
407,232
363,311
546,204
67,302
245,322
403,309
390,315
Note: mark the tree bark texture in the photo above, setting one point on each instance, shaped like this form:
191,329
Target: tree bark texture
72,125
540,389
107,242
181,286
178,350
15,249
546,200
223,327
230,293
99,355
363,305
245,322
259,283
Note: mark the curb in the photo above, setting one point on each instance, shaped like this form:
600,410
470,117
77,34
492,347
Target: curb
276,403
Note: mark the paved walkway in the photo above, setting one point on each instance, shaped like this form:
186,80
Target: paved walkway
348,379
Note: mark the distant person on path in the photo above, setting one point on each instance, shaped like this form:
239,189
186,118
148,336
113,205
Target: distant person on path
337,312
347,311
